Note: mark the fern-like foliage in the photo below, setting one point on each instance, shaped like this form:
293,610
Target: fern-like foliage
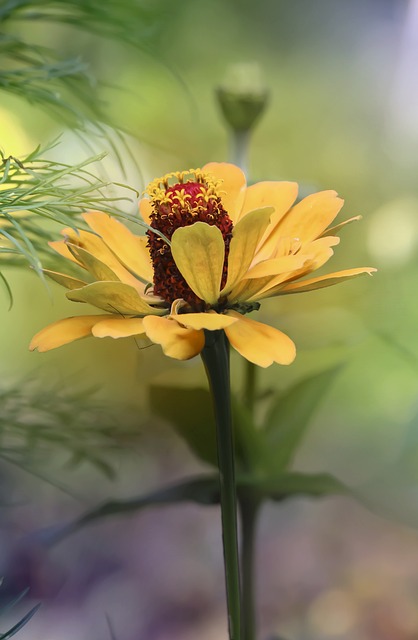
34,189
66,87
12,631
39,419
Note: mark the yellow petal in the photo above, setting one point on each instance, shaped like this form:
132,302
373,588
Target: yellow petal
267,274
277,266
245,238
333,230
211,320
279,195
60,246
318,253
65,281
247,289
311,216
313,255
95,245
233,187
98,269
130,249
63,331
198,252
145,209
259,343
115,297
115,327
176,341
324,281
86,240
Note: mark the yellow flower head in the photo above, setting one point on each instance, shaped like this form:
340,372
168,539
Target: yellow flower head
214,248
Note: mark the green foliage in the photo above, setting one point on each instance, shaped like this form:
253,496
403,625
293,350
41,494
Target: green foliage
35,420
204,490
289,415
34,189
65,87
248,439
190,412
129,21
179,406
265,451
258,477
291,483
19,625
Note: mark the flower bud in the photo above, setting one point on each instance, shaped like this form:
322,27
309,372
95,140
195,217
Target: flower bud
242,96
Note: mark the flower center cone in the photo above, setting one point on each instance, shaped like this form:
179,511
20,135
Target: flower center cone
181,205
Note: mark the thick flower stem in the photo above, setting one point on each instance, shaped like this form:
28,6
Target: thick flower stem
249,511
249,507
215,356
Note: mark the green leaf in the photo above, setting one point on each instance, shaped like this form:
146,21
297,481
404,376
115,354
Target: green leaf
17,627
202,490
291,484
249,446
189,410
289,415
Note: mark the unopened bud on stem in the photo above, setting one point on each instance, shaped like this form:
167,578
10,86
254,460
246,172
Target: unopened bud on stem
242,96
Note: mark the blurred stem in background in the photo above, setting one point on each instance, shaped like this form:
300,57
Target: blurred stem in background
243,98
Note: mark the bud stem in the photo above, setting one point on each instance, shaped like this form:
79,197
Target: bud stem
239,143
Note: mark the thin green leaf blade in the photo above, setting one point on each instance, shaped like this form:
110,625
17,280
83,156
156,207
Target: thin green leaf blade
249,445
189,410
17,627
289,416
292,484
203,490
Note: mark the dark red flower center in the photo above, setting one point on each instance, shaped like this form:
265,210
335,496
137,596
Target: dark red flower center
181,205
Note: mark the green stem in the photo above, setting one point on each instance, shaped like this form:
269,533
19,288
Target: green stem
249,512
215,356
239,141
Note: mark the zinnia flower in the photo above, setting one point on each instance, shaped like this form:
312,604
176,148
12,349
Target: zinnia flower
213,250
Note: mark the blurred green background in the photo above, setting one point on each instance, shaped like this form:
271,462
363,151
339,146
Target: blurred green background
342,114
